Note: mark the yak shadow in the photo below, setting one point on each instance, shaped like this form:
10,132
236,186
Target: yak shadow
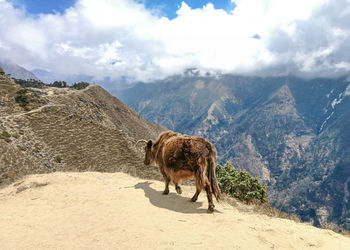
172,201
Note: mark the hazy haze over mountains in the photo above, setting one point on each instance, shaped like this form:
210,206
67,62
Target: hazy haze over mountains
16,71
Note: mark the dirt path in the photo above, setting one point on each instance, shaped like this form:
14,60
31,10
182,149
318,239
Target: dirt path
116,211
31,111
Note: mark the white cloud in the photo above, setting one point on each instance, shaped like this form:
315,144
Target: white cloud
121,38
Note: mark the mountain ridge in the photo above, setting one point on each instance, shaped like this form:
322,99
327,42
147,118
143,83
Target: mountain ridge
69,130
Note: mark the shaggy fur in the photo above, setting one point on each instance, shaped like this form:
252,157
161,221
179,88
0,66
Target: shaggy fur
181,157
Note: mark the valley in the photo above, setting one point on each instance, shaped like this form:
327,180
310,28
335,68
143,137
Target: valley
292,133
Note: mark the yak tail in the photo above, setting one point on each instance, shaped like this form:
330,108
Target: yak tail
211,174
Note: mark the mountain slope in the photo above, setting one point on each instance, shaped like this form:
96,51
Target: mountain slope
116,211
17,71
67,129
292,133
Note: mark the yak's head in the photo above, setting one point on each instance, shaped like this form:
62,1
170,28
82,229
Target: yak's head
149,152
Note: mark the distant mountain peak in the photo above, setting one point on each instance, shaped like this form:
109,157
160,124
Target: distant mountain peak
17,71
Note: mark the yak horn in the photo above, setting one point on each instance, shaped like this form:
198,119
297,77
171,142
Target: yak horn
142,140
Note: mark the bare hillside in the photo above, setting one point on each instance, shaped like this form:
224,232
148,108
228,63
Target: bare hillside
67,129
116,211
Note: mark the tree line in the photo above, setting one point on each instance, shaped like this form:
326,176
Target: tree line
33,83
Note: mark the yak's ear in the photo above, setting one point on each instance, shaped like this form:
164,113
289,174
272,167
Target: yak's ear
149,144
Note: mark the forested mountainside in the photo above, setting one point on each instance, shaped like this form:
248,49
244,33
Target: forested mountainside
293,133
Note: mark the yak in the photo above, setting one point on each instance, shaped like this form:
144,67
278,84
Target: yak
180,157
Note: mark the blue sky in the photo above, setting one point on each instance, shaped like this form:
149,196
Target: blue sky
143,40
44,6
164,8
169,8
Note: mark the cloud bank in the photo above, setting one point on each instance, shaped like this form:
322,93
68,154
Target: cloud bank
123,39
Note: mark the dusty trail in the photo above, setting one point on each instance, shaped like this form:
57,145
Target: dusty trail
116,211
31,111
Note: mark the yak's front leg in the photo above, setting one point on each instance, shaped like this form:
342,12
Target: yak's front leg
178,188
167,181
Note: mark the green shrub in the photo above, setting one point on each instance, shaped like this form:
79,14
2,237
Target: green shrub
59,84
57,159
5,136
80,85
30,83
240,184
22,98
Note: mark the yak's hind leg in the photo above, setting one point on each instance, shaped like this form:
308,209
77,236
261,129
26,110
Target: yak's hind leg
210,197
198,190
167,181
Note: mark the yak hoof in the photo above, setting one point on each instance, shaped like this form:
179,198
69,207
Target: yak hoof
165,192
210,209
194,199
178,190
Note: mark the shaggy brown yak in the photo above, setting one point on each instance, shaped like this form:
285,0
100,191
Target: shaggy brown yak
181,157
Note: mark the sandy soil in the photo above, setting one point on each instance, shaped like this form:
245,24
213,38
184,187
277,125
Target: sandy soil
116,211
